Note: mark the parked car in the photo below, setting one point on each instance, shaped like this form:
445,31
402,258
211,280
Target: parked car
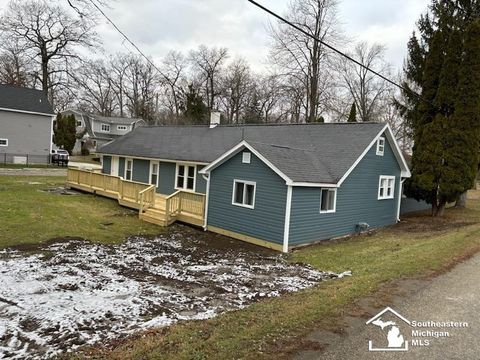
60,157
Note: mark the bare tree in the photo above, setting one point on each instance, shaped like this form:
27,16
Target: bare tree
13,64
49,35
141,89
174,68
237,82
301,57
369,92
208,63
118,66
97,90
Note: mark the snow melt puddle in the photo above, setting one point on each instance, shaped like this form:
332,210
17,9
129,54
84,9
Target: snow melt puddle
75,293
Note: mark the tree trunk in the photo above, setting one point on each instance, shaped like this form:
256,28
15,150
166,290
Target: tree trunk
441,208
462,201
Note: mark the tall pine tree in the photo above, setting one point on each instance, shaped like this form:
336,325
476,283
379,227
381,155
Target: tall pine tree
64,132
352,117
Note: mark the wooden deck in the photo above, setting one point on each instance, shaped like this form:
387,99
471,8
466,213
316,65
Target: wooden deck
187,207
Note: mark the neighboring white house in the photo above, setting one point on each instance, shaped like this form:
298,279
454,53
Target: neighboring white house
98,130
26,125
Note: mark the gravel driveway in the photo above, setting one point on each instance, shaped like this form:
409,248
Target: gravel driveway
67,293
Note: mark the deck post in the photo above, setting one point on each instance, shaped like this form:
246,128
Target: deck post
167,209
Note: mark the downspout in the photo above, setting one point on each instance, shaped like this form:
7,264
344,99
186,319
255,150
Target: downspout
205,221
286,229
400,193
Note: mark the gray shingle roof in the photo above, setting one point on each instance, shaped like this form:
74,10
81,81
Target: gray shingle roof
320,153
24,99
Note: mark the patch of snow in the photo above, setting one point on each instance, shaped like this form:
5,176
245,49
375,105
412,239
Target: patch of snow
75,293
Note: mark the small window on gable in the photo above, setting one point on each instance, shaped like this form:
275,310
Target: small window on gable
79,123
105,127
246,157
380,146
244,193
386,187
328,199
3,142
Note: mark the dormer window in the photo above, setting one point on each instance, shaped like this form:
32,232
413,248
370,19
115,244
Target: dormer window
380,146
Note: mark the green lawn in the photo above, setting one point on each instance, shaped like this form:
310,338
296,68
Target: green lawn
29,215
268,329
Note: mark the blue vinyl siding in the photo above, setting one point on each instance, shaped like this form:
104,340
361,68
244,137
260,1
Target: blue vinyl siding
201,184
141,170
409,205
166,181
107,164
266,220
356,202
121,167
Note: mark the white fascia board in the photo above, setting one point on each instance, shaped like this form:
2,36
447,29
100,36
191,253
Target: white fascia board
27,112
236,149
318,185
405,172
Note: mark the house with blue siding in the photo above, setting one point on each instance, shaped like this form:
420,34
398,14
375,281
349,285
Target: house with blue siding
279,186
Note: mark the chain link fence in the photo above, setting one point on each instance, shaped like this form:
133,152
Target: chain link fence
25,159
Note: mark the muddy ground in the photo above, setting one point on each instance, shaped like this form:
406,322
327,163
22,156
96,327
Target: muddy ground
67,293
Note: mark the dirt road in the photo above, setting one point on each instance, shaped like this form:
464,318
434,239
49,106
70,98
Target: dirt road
452,297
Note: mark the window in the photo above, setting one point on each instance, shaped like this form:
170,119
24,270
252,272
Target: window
121,127
154,173
386,187
246,156
244,193
328,199
105,127
380,146
128,169
79,123
186,177
3,142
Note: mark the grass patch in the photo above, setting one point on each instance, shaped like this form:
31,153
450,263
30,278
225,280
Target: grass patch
23,166
30,215
419,246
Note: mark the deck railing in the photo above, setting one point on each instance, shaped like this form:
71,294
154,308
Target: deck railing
139,195
147,198
184,202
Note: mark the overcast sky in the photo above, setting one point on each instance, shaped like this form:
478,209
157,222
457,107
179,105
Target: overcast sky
158,26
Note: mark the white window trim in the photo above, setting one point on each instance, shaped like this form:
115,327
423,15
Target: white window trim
102,125
382,151
6,140
122,127
125,170
246,182
151,172
246,157
385,197
184,188
334,201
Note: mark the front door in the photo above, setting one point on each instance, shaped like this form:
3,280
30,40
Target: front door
114,167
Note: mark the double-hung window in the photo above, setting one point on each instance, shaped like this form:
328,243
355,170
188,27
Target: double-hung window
105,128
380,146
328,199
244,193
128,169
186,177
154,173
386,187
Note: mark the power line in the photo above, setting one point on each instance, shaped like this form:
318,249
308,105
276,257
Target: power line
133,44
336,50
